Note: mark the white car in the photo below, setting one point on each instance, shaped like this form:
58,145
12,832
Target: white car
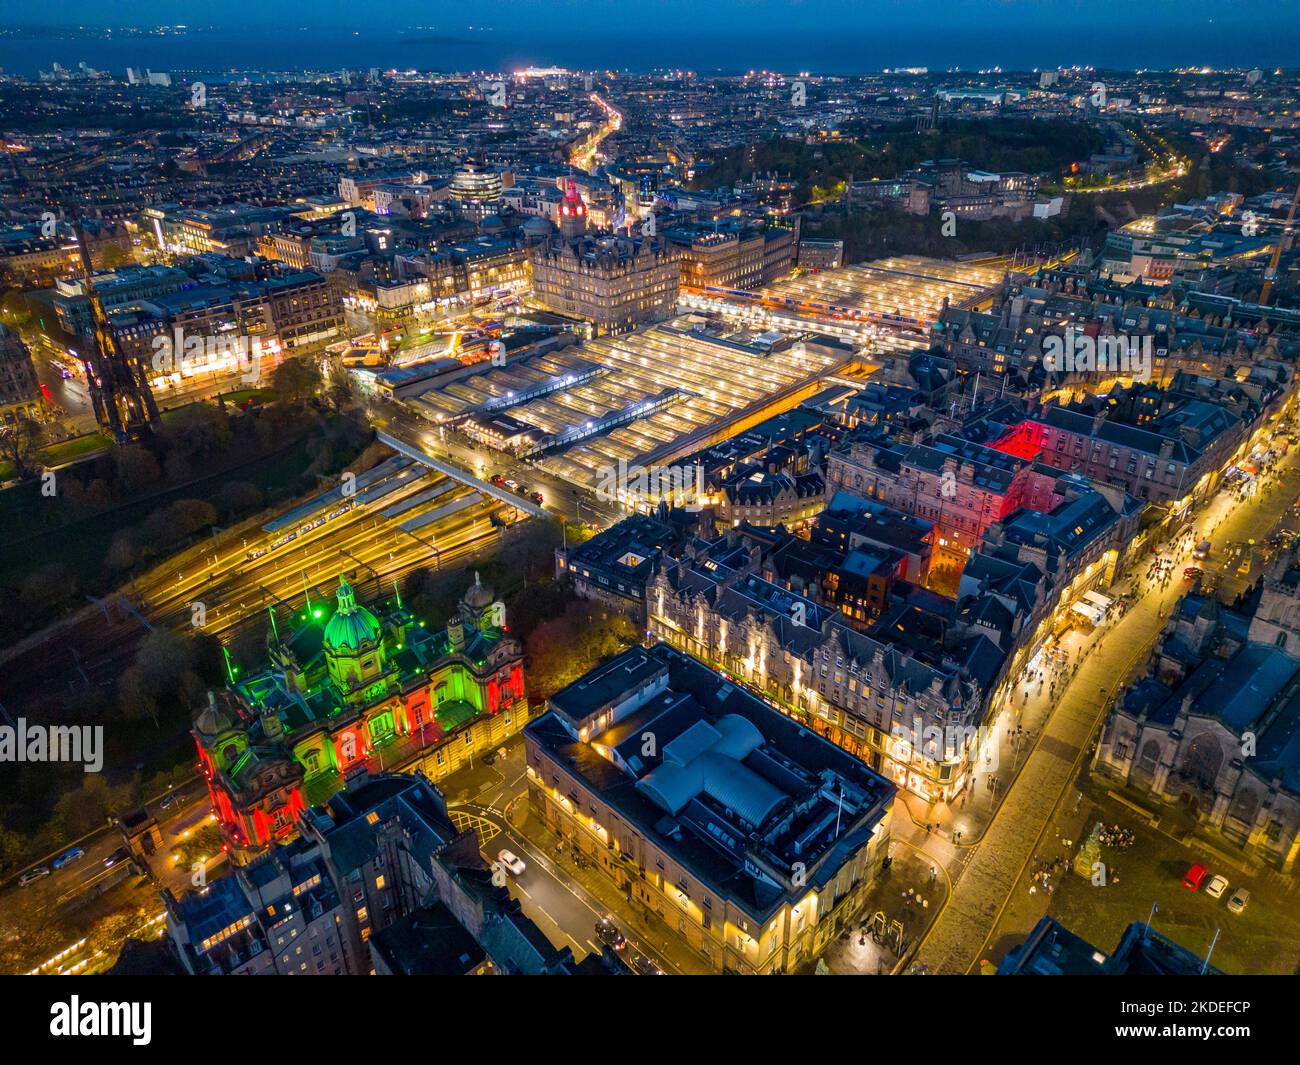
1239,899
512,863
1217,886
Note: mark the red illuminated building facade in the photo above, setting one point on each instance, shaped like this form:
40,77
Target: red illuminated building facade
960,487
350,689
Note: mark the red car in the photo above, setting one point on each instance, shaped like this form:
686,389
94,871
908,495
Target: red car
1194,877
498,480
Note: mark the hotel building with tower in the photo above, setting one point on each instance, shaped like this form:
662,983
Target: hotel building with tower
614,281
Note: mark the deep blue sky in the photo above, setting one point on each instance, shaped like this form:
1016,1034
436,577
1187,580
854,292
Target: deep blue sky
512,16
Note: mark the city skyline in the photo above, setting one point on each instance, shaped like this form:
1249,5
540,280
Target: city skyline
585,489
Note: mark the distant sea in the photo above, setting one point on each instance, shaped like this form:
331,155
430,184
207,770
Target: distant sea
830,50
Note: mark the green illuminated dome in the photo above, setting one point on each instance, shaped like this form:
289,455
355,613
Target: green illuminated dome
352,628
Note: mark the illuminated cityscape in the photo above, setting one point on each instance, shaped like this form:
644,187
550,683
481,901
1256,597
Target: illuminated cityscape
504,499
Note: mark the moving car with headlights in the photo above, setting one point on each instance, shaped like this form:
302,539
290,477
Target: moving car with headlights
511,862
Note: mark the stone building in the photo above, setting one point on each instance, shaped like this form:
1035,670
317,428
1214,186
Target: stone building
910,703
357,691
615,282
1215,731
756,841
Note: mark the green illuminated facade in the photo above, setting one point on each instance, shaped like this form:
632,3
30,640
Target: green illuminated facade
356,689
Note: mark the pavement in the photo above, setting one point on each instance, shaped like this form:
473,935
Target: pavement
1015,829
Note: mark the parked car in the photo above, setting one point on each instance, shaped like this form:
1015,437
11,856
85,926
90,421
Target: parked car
511,862
1216,887
1194,876
1239,899
32,875
607,932
68,857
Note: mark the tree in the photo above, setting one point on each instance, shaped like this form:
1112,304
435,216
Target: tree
563,648
14,309
20,442
111,256
296,380
338,391
45,591
163,676
137,469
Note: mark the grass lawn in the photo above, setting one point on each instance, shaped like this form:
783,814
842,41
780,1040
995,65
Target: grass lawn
78,447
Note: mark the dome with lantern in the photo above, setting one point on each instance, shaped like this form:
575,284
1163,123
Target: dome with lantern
479,597
353,628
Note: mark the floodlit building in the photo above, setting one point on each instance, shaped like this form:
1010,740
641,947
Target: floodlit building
356,690
907,698
753,838
614,282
